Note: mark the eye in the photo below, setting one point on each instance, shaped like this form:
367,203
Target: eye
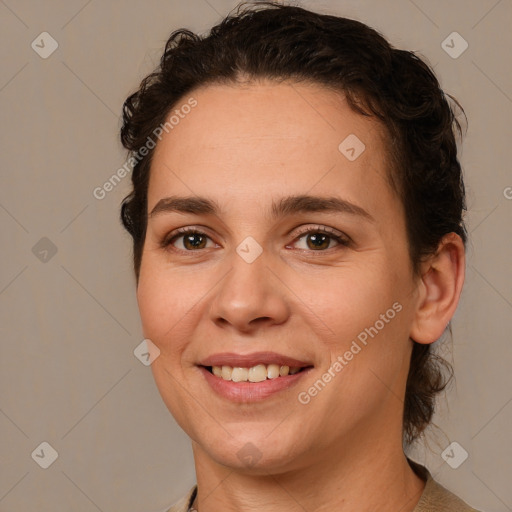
192,239
320,238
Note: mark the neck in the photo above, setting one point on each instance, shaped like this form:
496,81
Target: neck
377,477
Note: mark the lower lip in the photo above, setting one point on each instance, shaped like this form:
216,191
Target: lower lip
251,391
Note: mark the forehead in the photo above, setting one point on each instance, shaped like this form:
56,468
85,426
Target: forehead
268,139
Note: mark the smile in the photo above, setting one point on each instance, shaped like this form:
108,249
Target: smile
253,377
257,373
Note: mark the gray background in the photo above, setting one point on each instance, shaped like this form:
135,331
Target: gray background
69,320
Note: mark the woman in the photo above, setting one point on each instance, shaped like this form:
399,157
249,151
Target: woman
299,244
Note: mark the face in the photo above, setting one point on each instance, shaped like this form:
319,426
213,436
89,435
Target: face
266,276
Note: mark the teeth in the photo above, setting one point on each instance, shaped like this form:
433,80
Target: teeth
240,374
284,370
272,371
226,372
257,373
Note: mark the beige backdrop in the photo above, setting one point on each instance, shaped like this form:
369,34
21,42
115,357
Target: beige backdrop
69,318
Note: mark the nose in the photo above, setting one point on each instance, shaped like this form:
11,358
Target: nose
250,296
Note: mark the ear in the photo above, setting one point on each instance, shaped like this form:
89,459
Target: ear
440,286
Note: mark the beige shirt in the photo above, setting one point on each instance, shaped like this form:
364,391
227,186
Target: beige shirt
435,497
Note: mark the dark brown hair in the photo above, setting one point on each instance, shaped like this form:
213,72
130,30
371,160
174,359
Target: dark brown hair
267,40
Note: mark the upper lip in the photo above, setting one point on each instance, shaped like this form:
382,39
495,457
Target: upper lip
249,360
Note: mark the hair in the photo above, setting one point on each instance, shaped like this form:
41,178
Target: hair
280,42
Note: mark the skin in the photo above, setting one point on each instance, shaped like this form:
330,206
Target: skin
244,146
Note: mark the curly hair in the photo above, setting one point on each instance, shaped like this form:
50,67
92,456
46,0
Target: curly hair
268,40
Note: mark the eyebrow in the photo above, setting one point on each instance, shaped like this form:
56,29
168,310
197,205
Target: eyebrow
285,206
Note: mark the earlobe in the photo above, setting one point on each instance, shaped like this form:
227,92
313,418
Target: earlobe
439,288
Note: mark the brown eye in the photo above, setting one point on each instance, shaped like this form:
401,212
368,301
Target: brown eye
320,238
318,241
192,239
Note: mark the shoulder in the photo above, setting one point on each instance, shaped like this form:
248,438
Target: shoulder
436,498
183,504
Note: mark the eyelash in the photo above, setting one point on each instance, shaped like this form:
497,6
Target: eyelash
167,241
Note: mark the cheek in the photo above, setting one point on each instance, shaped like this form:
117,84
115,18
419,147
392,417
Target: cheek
166,301
153,307
355,300
367,310
166,310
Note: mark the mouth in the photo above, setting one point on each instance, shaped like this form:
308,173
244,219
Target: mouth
256,373
252,377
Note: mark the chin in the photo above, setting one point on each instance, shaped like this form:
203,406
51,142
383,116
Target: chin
255,454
